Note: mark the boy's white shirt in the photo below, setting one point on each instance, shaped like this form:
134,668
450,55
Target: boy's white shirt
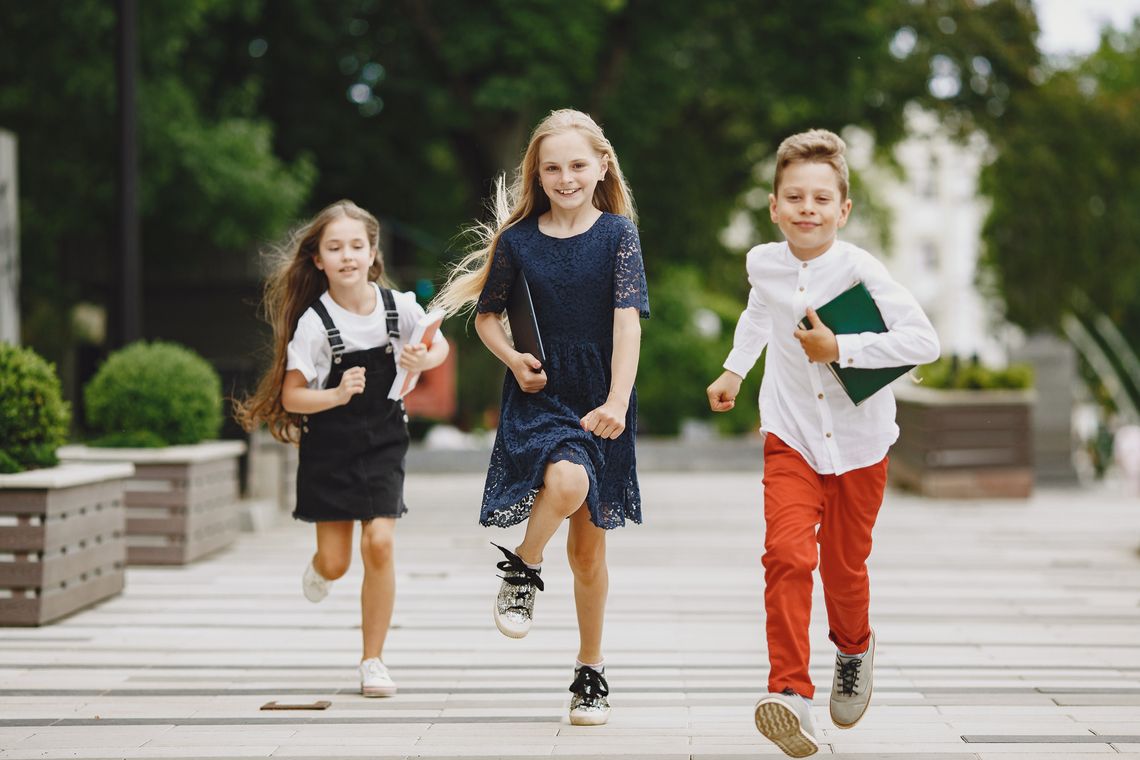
800,401
309,350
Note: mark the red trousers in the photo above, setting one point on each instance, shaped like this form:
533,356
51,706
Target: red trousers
797,501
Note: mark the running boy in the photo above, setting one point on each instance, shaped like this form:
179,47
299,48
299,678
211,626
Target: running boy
825,463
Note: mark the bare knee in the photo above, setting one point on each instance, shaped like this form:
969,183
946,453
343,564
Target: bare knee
377,546
567,485
587,558
332,565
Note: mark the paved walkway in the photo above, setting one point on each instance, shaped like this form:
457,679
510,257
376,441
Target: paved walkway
1006,630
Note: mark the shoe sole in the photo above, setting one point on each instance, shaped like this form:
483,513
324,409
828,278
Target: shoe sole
592,719
378,691
506,630
780,724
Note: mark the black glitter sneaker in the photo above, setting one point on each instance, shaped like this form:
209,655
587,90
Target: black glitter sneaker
514,606
589,706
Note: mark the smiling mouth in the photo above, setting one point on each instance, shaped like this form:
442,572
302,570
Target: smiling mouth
565,193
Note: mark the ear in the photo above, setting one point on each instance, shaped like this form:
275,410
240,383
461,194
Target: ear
772,208
844,212
317,262
605,167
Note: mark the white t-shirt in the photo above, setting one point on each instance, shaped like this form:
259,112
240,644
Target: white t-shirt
309,350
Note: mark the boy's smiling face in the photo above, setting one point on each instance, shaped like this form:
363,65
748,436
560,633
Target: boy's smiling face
809,208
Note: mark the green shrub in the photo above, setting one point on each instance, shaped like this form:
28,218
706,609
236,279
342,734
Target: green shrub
34,418
952,372
154,394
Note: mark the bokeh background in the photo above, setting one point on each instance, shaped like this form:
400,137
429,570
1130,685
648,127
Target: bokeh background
993,146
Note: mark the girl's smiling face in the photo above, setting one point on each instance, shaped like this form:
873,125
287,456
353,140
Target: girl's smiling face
569,169
345,253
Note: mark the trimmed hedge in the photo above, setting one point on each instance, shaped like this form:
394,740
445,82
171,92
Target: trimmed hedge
153,394
34,418
953,372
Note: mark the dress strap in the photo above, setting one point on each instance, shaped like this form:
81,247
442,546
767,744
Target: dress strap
335,342
392,317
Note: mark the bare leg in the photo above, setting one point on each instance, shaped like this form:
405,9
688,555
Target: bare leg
586,549
334,549
564,488
378,592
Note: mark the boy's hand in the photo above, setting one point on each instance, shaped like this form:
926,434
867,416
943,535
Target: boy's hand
528,373
819,342
722,393
412,356
607,421
351,383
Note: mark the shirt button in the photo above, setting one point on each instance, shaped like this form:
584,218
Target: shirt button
805,265
828,435
801,290
305,428
820,396
850,361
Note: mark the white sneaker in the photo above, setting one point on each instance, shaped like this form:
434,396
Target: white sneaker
787,722
589,706
851,687
374,679
315,586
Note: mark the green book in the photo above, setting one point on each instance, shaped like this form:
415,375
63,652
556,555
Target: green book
854,311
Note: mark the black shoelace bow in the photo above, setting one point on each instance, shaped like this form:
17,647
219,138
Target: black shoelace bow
849,674
517,573
589,684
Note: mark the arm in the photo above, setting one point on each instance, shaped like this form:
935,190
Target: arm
753,331
527,370
910,338
419,358
608,420
298,398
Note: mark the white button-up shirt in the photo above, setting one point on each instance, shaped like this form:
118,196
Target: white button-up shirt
801,402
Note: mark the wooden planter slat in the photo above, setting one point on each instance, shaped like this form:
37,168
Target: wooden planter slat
68,540
182,502
964,444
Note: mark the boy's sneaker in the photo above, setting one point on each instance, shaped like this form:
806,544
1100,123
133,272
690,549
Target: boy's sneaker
315,586
374,679
589,706
851,686
514,606
786,720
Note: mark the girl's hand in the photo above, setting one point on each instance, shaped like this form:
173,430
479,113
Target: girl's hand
819,342
351,383
528,373
723,391
607,421
413,356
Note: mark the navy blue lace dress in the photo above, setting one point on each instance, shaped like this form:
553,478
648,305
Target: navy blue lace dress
576,284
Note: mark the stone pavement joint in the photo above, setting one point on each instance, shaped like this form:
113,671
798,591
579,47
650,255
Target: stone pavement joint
1007,629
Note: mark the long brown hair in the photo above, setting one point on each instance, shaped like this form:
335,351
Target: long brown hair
524,198
292,286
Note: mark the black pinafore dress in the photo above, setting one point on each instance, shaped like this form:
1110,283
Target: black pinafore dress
352,457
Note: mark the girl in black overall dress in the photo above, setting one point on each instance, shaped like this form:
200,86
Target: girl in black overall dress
338,337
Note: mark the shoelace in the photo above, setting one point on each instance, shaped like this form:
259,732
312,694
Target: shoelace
848,674
589,684
514,564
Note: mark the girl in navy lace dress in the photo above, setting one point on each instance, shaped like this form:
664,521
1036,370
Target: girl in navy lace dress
565,443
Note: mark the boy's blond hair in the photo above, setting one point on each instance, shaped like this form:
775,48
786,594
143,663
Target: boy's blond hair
815,145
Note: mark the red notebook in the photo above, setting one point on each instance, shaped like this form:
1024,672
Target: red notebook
424,332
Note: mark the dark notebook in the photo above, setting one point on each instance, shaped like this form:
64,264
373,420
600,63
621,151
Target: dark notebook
854,311
524,324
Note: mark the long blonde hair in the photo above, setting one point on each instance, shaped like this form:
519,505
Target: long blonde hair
292,286
525,198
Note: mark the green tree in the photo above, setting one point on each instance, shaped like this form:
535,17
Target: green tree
210,185
1062,234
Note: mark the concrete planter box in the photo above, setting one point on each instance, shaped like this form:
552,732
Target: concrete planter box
181,503
964,444
62,540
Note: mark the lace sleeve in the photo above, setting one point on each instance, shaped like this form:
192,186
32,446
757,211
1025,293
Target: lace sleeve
630,289
497,289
